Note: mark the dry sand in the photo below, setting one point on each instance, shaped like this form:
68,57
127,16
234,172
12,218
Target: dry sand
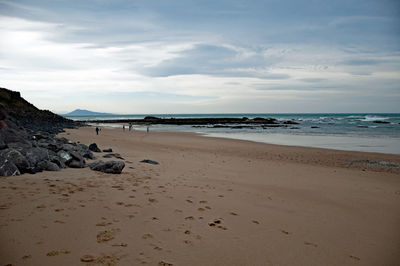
209,202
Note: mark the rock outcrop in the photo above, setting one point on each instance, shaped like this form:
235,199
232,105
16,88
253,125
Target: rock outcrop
28,142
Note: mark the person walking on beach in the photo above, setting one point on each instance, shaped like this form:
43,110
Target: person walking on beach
147,129
97,130
123,127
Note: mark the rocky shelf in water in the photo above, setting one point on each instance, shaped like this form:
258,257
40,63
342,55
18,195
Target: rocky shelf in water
151,120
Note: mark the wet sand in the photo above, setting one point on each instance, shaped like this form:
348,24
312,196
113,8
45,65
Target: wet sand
210,201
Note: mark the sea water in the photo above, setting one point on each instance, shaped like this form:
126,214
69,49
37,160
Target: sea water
358,132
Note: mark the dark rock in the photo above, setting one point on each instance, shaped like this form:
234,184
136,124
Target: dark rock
16,158
76,155
290,122
76,164
63,140
93,147
118,156
381,122
3,145
115,155
19,146
88,155
8,168
35,170
83,146
67,147
314,127
35,155
107,150
48,166
57,160
264,120
109,167
77,160
10,135
149,161
64,156
152,118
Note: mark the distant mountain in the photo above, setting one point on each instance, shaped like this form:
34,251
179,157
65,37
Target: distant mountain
80,112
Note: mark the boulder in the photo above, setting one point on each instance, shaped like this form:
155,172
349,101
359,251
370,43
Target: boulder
77,160
35,155
93,147
16,158
58,161
48,166
67,147
109,167
64,156
8,168
11,135
76,164
107,150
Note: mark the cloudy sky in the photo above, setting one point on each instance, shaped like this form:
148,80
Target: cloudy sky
218,56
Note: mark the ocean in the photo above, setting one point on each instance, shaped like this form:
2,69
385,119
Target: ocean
369,132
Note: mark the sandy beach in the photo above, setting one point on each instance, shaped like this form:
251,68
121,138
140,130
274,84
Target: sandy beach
209,201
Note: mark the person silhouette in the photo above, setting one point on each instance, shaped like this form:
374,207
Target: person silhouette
97,130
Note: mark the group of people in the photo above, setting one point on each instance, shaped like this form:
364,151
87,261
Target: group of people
123,128
130,127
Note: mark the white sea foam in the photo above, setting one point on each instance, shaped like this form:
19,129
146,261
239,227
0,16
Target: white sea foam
371,118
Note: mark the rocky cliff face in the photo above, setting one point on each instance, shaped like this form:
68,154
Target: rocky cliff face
21,114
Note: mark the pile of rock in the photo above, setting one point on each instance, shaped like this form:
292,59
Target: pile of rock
28,143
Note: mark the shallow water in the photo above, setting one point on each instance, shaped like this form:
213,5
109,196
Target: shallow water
357,132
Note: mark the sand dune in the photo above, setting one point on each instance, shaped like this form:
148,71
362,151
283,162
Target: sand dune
208,202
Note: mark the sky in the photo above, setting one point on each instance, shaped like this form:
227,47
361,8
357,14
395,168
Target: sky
219,56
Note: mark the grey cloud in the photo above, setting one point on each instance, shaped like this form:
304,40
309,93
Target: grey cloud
215,61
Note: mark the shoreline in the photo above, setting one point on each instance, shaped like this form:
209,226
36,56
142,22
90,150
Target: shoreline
370,144
210,201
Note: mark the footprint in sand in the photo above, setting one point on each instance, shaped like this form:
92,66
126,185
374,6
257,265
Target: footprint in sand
107,235
233,213
103,223
163,263
201,209
87,258
217,223
153,200
120,245
285,232
310,244
190,201
354,257
25,257
187,232
255,222
189,218
57,252
147,236
202,201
